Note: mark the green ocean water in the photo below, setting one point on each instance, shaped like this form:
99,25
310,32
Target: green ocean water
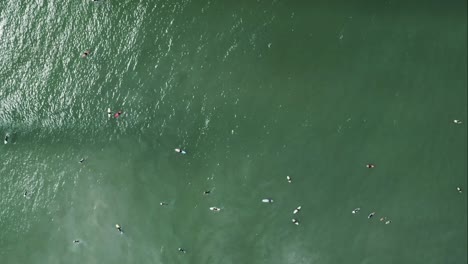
253,91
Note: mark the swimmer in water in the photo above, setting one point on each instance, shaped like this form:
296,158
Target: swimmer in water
267,200
117,115
297,210
459,190
182,250
295,221
355,211
181,151
370,166
371,215
288,179
118,227
216,209
85,54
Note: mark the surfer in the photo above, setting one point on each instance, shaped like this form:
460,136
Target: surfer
388,222
370,166
458,122
355,211
109,113
295,221
116,115
82,160
85,54
181,151
459,189
76,241
371,215
297,210
206,192
182,250
6,139
118,227
267,200
216,209
288,179
163,203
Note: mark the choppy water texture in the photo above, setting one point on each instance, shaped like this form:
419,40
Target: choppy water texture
254,91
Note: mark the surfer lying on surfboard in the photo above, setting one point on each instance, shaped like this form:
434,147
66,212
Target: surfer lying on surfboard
116,115
181,151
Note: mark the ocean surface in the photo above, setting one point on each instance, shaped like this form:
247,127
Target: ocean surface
254,91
